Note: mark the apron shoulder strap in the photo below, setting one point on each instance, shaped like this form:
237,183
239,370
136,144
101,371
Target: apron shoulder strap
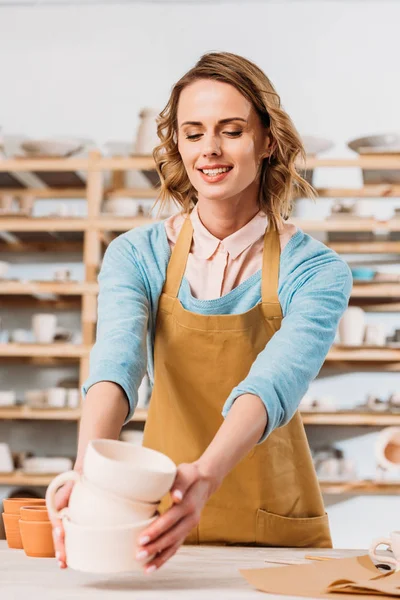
270,268
177,263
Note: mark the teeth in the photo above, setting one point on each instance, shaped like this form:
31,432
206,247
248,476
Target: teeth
214,172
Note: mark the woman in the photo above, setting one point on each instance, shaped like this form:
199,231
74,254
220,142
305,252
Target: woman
238,310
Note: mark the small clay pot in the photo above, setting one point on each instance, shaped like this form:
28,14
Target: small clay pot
34,513
12,505
37,538
11,527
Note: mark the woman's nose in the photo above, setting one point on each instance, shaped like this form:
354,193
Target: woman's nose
211,146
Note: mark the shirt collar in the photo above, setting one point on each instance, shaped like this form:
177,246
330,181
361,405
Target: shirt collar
205,244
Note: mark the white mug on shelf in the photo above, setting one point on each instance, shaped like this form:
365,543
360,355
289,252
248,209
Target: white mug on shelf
73,398
44,327
375,334
352,327
56,397
393,544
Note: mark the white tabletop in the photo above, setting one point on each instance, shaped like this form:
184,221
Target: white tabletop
206,572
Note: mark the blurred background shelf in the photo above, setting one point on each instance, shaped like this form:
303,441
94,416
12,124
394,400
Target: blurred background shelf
351,419
365,487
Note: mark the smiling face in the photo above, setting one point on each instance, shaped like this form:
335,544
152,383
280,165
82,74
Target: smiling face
221,142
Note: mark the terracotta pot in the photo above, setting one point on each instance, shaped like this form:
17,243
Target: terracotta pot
34,513
37,538
11,527
12,506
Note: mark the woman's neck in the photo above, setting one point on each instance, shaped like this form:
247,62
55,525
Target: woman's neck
222,219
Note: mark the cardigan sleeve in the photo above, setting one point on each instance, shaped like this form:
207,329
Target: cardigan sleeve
284,369
119,353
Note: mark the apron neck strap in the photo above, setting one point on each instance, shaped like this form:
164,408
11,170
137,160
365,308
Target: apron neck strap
177,263
270,268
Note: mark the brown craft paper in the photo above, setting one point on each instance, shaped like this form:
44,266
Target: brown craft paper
346,576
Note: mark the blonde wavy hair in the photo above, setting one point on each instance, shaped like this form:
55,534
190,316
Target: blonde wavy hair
279,180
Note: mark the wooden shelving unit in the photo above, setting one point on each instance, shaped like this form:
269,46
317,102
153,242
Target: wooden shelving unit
360,488
90,234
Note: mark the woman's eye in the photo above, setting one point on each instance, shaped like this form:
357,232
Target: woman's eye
233,133
193,137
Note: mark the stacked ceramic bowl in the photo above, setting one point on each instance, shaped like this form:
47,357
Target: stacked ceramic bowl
27,525
112,502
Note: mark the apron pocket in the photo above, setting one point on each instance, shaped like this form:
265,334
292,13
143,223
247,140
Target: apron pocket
296,532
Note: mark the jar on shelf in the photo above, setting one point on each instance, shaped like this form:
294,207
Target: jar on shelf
146,137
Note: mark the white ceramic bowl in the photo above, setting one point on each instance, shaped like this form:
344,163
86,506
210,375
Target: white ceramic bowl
6,461
8,398
103,549
127,470
51,147
121,206
4,266
314,145
90,506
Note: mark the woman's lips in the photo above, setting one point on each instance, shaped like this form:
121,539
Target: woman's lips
215,178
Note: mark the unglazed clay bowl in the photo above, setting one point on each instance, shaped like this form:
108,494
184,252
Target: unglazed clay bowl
103,549
13,506
11,528
91,506
34,513
130,471
37,538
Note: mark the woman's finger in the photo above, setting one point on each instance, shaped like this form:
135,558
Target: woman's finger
58,539
159,560
185,477
161,525
175,535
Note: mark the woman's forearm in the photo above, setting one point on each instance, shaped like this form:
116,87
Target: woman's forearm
104,411
239,433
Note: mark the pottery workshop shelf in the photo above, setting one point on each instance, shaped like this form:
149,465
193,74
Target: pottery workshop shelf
351,419
360,488
25,413
44,350
97,178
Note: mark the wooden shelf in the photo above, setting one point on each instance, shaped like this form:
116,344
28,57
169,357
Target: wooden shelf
351,419
364,354
44,287
385,190
43,224
390,247
343,225
20,478
360,488
376,290
25,413
44,350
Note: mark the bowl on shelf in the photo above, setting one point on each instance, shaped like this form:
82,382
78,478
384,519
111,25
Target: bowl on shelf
363,273
54,147
8,398
122,207
46,465
36,398
314,145
4,266
385,144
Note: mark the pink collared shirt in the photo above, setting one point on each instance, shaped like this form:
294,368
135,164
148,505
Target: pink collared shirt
215,267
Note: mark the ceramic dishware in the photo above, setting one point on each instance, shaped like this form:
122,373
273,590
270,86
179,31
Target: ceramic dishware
103,549
36,398
91,506
387,449
146,137
6,461
44,327
36,532
352,327
382,144
8,398
4,266
393,544
20,336
375,334
11,516
133,472
56,397
73,398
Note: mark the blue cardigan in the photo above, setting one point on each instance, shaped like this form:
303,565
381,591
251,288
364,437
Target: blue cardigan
314,289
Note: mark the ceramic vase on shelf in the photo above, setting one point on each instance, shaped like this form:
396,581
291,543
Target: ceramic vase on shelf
352,327
146,137
44,327
387,452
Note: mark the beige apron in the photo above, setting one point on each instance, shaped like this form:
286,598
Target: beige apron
272,497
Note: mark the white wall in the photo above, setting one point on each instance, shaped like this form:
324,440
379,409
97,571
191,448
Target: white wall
87,71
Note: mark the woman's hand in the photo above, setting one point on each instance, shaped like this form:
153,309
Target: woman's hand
191,490
61,501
